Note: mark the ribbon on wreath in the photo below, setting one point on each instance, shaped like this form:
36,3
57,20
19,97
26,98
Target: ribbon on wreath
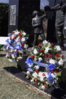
49,66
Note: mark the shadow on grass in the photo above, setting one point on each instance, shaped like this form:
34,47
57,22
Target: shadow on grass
12,70
2,55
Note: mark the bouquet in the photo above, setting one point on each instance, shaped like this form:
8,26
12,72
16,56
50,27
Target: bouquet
16,45
44,65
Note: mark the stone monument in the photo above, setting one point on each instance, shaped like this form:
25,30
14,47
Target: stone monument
20,16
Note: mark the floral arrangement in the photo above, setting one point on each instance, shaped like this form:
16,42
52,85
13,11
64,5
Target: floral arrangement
44,65
16,45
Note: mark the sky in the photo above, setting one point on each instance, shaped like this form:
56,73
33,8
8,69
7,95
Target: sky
4,1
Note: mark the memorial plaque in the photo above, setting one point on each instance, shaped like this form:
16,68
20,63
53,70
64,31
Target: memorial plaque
13,15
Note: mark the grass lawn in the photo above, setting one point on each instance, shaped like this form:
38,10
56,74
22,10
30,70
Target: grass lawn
9,88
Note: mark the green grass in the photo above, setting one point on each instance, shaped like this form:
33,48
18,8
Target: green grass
9,88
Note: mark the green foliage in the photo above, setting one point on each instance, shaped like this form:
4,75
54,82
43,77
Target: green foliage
3,18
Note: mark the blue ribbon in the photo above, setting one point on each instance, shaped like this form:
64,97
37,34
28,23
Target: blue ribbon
49,66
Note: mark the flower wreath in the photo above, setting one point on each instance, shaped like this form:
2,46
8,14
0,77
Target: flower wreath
16,45
44,65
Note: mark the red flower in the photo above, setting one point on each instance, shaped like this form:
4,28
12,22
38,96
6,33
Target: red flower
36,79
16,57
56,71
43,74
35,82
49,55
29,71
22,44
19,34
13,32
14,37
32,56
45,55
12,51
20,37
30,78
62,56
47,59
17,50
10,39
45,86
25,41
57,55
52,71
37,71
39,44
52,44
41,50
44,82
42,54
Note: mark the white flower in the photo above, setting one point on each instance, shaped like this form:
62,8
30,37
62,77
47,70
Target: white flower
46,74
36,67
25,46
40,74
32,80
13,56
35,51
23,39
24,33
45,42
17,39
16,32
7,55
30,65
60,62
53,75
40,59
52,61
42,78
28,73
42,87
58,48
35,75
12,36
47,49
10,60
19,57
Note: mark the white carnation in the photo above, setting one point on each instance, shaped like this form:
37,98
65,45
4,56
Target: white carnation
40,59
12,36
24,33
52,61
58,48
46,75
32,80
36,67
19,57
42,87
35,51
23,39
53,75
13,56
42,78
47,49
25,46
45,42
30,65
35,75
28,73
60,62
10,60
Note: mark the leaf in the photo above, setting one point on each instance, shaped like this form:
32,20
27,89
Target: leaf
58,74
